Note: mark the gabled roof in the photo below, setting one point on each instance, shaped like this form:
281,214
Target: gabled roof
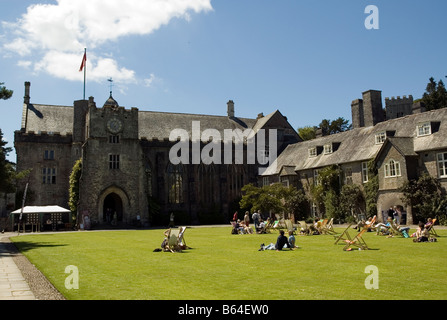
404,145
359,144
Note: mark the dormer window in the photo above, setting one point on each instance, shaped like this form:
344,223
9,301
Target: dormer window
312,152
424,129
380,137
328,149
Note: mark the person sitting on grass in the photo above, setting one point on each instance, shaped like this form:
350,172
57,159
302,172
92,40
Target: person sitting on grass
422,234
291,240
281,242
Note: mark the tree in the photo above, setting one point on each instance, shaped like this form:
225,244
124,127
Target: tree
306,133
435,96
338,125
351,198
275,198
6,167
426,198
5,93
327,128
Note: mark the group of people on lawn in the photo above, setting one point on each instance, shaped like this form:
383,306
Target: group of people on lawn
422,233
243,227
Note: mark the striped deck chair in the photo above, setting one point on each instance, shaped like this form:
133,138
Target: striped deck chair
357,241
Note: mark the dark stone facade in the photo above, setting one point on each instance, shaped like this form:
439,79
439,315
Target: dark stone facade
127,174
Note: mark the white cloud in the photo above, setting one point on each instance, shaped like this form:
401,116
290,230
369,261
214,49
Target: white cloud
56,34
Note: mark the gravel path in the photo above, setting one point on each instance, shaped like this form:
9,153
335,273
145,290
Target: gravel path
38,283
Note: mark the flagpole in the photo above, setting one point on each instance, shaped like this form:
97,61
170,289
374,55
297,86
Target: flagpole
85,69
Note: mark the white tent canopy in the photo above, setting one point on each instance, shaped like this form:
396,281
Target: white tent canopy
42,209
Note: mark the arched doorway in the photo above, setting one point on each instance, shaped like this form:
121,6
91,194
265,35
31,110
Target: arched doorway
113,207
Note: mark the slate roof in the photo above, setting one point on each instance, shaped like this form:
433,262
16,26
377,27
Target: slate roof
56,119
359,145
158,125
152,125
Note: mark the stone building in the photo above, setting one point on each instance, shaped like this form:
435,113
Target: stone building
403,147
126,169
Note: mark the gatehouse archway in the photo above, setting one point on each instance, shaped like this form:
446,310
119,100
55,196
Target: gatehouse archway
113,208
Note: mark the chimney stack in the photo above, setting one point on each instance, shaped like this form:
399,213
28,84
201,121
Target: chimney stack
230,105
26,98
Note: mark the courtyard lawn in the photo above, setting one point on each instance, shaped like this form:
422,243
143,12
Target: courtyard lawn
122,265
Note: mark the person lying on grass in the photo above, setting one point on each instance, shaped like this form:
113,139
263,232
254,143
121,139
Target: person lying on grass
281,242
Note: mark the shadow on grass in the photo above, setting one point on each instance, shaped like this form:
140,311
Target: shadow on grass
25,246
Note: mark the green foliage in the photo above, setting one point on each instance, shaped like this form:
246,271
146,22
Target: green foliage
306,133
5,94
75,176
371,189
275,198
329,127
351,200
435,96
6,166
426,198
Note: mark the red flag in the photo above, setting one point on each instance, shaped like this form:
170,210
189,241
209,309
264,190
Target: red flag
84,61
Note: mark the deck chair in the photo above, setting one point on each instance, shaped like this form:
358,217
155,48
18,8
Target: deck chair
394,230
344,236
371,225
304,229
328,227
357,241
289,226
176,240
432,230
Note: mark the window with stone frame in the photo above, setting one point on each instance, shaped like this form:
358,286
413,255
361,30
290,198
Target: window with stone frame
365,170
348,175
442,164
316,179
206,179
175,183
114,139
235,180
48,155
114,162
48,175
392,169
265,181
148,172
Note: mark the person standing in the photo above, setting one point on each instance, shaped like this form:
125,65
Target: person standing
255,218
247,219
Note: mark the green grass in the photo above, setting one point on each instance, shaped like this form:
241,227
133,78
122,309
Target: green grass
122,265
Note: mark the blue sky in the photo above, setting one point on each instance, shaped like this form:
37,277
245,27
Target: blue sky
307,58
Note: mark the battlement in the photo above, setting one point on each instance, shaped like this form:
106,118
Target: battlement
42,137
399,100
